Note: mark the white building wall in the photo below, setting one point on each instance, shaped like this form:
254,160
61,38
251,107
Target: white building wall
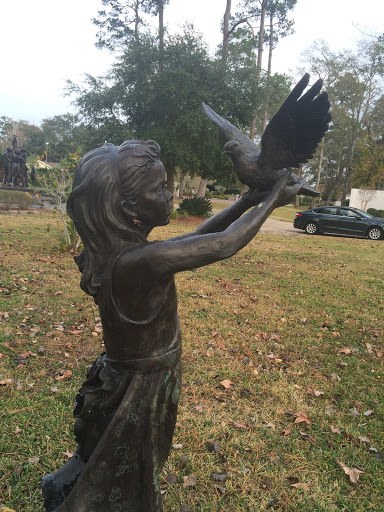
364,199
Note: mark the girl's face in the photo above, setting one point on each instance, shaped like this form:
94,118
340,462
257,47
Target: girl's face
154,204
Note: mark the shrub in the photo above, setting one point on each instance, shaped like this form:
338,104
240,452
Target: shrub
173,215
217,195
380,213
372,211
232,191
198,206
13,197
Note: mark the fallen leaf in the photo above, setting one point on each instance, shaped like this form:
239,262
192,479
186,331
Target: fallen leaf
345,350
266,483
368,413
34,460
213,446
227,384
63,374
353,473
183,461
18,430
335,430
68,453
301,485
177,446
171,479
301,417
239,425
330,409
220,477
189,481
4,382
312,391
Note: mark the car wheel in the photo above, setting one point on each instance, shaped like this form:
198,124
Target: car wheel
375,233
311,228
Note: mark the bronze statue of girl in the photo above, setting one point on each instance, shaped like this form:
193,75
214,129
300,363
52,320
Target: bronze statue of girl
126,409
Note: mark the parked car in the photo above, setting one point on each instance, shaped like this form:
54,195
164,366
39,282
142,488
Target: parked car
339,220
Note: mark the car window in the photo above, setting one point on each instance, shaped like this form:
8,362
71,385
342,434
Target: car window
330,210
344,213
353,214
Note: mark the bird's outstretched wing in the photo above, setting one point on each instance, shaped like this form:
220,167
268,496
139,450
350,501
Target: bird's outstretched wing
294,132
230,132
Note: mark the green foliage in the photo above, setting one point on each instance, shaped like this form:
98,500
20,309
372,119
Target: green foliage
197,206
217,195
376,213
232,191
10,198
70,241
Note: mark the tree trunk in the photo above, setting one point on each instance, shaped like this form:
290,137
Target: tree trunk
171,173
227,14
161,34
181,186
297,197
252,131
202,187
335,183
317,186
269,71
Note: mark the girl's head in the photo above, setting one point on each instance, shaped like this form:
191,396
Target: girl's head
113,202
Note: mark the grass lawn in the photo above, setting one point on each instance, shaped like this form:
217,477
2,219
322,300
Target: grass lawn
283,369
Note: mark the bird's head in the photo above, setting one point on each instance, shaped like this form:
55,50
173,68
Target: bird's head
232,147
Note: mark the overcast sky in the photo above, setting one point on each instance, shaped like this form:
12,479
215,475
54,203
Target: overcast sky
45,42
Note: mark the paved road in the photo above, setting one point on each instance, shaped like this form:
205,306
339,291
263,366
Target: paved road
279,227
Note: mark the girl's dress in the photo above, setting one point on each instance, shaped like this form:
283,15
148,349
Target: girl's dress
126,409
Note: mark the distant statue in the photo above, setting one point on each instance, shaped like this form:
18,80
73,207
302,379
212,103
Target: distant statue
8,157
24,168
33,175
15,166
126,410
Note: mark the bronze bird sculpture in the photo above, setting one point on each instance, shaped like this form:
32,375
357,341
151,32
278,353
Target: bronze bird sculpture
290,139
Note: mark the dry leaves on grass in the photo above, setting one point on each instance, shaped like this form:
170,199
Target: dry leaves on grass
189,481
227,384
353,473
312,391
63,374
301,485
301,417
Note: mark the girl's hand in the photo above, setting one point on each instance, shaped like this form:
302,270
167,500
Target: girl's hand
286,188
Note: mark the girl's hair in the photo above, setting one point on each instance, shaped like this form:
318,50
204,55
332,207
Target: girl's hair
106,177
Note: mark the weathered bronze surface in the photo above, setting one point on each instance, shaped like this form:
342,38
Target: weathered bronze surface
126,409
15,166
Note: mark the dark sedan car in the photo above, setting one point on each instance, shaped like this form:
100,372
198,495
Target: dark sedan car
339,220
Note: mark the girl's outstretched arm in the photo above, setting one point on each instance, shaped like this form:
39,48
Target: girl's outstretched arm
221,220
157,260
